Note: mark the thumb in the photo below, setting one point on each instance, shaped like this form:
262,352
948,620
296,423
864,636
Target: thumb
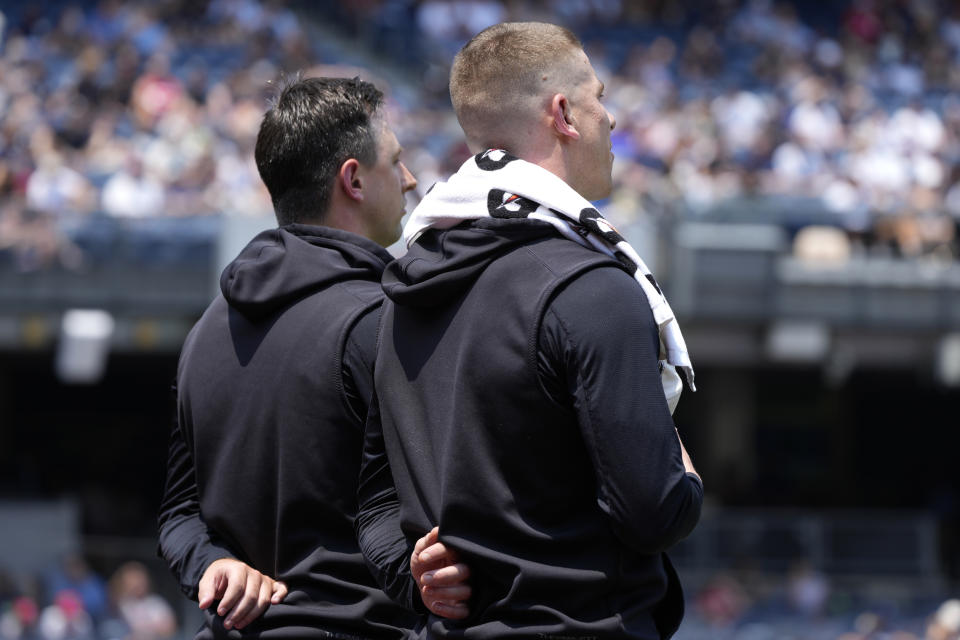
279,592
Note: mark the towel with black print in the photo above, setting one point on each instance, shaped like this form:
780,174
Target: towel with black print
499,185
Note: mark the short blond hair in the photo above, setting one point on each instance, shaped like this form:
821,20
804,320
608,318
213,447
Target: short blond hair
502,71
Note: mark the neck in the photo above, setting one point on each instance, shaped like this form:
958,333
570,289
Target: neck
549,155
341,217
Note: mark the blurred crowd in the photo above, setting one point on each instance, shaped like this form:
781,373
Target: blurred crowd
72,602
132,110
805,603
842,116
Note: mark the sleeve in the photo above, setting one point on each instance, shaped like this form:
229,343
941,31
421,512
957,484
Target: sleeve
606,365
385,548
186,543
359,355
381,539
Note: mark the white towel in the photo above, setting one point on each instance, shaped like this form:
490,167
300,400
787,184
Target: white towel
496,184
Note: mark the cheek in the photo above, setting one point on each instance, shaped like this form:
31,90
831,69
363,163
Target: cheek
601,123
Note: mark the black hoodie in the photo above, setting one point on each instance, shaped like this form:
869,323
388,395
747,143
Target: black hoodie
272,391
519,404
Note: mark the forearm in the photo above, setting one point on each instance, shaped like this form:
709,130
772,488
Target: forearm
186,543
386,551
651,496
188,550
609,371
676,516
377,525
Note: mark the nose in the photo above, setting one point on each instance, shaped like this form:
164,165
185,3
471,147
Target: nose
613,120
409,182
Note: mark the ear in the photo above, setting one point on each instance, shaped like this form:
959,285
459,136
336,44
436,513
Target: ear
562,117
349,181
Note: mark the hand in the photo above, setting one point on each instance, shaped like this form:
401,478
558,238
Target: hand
441,579
244,592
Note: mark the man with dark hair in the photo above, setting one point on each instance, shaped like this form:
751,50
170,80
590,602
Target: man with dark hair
303,142
273,385
527,366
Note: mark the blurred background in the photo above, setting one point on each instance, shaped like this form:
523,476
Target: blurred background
788,169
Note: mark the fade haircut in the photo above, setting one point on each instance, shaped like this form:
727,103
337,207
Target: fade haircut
313,127
501,72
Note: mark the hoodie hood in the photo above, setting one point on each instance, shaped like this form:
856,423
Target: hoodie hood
282,265
443,263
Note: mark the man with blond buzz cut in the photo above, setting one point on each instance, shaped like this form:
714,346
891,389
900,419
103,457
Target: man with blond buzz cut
527,366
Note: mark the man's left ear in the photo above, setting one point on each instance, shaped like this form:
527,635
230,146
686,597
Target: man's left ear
349,180
562,117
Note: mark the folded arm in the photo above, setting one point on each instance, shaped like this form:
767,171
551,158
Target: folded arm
607,366
425,576
186,543
206,569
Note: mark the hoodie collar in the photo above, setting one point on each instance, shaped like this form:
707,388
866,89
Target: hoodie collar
443,263
282,265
